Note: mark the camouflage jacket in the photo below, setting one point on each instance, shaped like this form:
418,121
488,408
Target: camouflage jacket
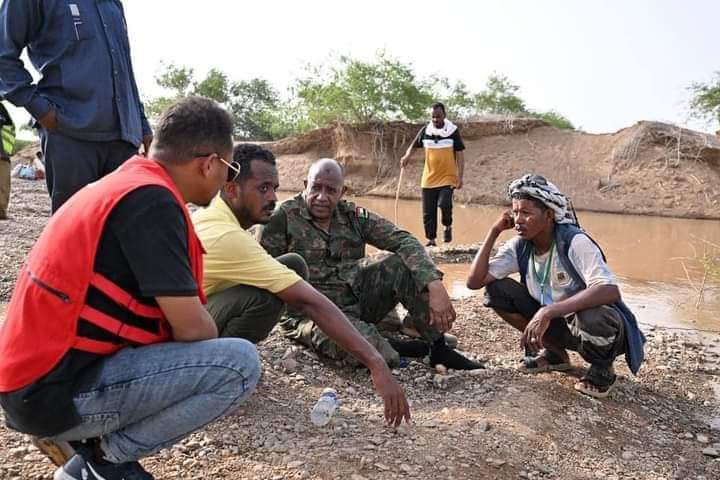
336,258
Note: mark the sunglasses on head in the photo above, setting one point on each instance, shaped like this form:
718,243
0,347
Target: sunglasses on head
233,167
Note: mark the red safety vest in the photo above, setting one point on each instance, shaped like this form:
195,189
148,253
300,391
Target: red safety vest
49,297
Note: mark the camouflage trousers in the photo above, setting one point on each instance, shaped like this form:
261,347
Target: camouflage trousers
380,286
4,186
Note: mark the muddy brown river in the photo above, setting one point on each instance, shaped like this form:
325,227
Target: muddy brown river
650,256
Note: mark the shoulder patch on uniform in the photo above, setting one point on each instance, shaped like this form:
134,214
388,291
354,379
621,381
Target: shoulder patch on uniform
362,213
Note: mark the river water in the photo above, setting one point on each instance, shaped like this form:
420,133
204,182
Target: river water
656,259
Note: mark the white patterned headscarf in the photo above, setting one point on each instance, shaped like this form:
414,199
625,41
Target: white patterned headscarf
540,189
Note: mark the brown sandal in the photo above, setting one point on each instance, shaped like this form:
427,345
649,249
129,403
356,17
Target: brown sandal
529,363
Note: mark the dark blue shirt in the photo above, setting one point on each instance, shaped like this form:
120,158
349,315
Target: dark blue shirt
81,49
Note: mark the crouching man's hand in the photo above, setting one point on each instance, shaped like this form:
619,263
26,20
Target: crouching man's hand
533,335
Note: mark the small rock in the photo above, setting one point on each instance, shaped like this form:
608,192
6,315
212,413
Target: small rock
295,464
289,365
702,438
404,430
440,368
17,452
193,445
495,462
482,426
711,452
627,455
440,381
406,468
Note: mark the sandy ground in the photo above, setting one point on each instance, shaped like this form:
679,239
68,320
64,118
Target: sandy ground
489,424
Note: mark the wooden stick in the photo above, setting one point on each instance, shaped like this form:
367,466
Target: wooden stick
397,194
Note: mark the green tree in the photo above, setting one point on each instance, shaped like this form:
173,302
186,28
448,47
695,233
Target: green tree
500,97
252,103
705,103
255,107
215,86
177,81
356,91
459,101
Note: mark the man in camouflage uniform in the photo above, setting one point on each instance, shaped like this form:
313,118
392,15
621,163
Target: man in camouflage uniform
331,235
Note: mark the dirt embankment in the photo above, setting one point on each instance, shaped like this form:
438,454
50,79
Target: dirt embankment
650,168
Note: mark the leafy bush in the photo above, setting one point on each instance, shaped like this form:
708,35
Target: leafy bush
555,119
705,103
342,90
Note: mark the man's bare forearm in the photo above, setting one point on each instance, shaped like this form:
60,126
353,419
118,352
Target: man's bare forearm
460,159
478,276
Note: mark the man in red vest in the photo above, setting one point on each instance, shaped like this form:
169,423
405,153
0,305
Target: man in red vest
107,343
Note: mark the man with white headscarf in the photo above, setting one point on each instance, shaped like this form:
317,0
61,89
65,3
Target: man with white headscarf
567,298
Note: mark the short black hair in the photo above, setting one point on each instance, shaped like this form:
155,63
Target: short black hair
191,127
439,105
244,153
526,196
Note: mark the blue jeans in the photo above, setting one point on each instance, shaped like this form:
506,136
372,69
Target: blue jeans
148,398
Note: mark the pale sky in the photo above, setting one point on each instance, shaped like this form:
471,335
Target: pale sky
603,64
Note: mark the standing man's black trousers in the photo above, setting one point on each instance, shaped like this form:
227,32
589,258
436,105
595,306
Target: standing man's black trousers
432,198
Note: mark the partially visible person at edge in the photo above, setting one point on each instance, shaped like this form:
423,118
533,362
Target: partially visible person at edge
247,288
567,298
331,234
443,171
107,344
7,147
86,104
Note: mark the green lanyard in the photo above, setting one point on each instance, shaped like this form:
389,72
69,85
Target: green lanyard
546,274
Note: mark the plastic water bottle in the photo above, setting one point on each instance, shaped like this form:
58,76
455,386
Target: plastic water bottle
323,410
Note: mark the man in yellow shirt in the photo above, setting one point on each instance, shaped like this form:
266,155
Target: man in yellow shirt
443,171
241,280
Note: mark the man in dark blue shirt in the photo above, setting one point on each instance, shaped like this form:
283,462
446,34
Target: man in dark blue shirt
86,103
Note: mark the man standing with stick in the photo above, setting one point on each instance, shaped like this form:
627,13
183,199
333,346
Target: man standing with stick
443,172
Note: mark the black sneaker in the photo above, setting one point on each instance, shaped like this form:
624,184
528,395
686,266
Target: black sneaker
440,353
410,348
82,467
447,235
431,243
